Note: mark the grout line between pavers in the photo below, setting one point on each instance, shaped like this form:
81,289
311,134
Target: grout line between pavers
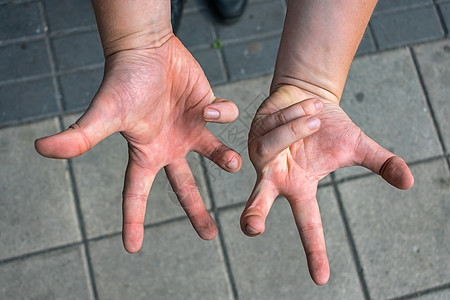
423,292
223,247
401,9
372,37
437,7
73,185
351,241
428,101
16,2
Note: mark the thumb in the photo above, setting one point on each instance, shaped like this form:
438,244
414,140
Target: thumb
220,111
92,127
392,168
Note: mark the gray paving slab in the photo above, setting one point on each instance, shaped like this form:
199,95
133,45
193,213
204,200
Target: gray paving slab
251,59
172,264
36,208
434,63
20,20
24,59
273,265
402,238
406,27
27,100
67,14
194,5
196,29
259,18
79,88
99,175
396,5
445,11
77,50
367,44
55,275
211,62
384,98
247,95
439,295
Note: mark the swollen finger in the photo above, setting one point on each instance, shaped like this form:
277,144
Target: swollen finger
220,111
254,216
138,181
93,126
309,225
275,141
392,168
212,148
183,184
286,115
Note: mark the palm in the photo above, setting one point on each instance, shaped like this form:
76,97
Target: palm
155,98
290,159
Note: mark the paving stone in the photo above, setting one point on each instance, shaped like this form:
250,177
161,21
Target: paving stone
231,188
24,59
212,65
440,295
434,64
66,14
196,29
273,265
36,208
55,275
406,27
367,45
79,88
172,264
19,20
395,5
27,100
76,50
402,238
384,98
251,59
99,175
445,11
258,18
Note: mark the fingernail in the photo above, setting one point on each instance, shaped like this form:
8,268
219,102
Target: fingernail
319,105
313,123
250,230
211,114
232,164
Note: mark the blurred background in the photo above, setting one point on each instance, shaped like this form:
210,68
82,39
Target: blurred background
60,221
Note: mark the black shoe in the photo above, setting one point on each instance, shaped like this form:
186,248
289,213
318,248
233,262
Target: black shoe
176,10
229,10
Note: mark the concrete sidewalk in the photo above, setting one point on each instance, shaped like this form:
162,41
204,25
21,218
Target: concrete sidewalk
60,221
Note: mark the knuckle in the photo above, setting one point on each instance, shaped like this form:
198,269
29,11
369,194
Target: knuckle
280,119
260,148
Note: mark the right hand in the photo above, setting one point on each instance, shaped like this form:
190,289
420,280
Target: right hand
157,98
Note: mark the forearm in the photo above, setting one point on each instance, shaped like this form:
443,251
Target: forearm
319,41
132,24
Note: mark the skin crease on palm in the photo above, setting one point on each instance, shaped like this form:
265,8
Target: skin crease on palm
156,98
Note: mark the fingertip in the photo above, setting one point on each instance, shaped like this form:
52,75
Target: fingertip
132,237
234,164
319,268
221,111
313,123
253,225
397,173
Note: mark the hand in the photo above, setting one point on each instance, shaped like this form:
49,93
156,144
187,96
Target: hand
290,159
158,99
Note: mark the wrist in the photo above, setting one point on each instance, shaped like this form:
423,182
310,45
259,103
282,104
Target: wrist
300,89
126,25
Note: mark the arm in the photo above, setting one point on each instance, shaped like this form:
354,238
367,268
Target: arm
300,134
147,96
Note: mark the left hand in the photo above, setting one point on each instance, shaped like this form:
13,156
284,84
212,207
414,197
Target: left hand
290,158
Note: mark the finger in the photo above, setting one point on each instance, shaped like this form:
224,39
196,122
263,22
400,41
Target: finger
183,184
280,138
93,126
286,115
212,148
309,225
254,216
384,163
138,181
220,111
